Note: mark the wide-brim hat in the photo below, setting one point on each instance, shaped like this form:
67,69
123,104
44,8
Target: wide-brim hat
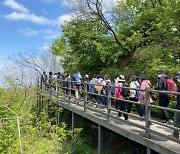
86,76
121,78
162,72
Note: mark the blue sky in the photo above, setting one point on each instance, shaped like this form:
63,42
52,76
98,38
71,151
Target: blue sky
29,24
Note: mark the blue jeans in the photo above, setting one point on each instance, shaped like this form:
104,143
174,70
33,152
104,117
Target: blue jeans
102,100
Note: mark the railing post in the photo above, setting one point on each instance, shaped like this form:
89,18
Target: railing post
85,95
108,101
147,111
69,90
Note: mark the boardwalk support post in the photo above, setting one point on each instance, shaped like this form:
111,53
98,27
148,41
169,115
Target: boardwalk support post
73,126
108,101
85,95
99,139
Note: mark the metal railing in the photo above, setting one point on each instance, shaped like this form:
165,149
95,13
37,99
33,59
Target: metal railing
59,89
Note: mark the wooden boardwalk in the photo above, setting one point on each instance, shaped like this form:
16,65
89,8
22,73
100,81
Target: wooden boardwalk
120,126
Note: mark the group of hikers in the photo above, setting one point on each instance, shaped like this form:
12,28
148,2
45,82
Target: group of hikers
99,85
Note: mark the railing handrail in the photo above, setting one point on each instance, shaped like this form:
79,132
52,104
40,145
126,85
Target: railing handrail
108,96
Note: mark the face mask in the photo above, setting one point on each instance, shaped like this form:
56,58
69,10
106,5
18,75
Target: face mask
159,75
178,80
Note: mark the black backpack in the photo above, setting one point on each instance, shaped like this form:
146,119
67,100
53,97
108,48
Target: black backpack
125,92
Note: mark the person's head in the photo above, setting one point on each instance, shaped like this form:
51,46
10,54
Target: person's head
94,76
44,72
106,77
162,73
99,76
50,73
141,77
177,76
121,78
133,78
78,72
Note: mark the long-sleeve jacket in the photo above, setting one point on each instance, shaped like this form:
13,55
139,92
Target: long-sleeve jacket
162,85
144,84
133,84
118,90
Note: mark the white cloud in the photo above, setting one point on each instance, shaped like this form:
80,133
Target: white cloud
16,6
28,17
50,34
65,18
23,14
44,11
44,48
29,32
49,1
46,34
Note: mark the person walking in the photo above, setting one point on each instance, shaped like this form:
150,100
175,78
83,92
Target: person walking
134,95
144,83
177,115
92,89
104,90
43,81
163,98
77,78
120,103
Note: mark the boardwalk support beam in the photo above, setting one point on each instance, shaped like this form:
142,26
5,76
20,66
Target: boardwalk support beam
99,139
73,127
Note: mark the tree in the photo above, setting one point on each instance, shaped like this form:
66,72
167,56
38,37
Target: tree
140,27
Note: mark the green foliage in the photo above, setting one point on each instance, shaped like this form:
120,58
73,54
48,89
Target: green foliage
148,32
38,133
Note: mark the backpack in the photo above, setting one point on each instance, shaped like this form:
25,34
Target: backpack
171,86
104,89
58,76
125,92
137,91
112,88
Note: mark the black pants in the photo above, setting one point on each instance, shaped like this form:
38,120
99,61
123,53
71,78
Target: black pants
122,106
164,102
139,108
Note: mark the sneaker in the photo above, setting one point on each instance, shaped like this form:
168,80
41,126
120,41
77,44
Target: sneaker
164,121
170,121
94,106
175,136
105,110
150,123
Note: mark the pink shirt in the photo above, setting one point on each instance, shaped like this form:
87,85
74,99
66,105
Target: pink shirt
118,90
144,84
